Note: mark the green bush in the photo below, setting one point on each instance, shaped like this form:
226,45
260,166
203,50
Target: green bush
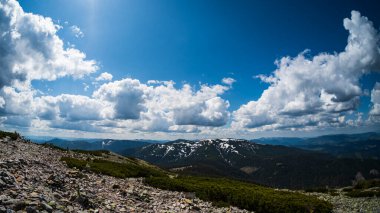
319,190
366,184
243,195
120,170
12,135
361,189
359,193
92,152
50,145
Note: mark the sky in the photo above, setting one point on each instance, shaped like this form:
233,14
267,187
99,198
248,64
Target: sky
189,69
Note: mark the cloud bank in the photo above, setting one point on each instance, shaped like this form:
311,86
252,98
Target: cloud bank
30,49
318,91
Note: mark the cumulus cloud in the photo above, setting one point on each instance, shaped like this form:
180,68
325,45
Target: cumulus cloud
161,105
212,112
306,92
126,104
375,99
228,81
127,97
105,76
77,31
15,102
31,50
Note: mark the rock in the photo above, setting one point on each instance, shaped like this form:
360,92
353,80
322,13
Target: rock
3,209
47,207
31,209
11,201
115,186
19,205
7,180
84,202
34,195
55,181
52,203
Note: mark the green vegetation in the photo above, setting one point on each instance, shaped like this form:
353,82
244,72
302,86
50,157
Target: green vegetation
243,195
318,190
98,153
221,192
12,135
324,190
364,188
50,145
120,170
361,193
366,184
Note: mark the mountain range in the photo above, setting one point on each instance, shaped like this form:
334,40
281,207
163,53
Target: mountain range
330,160
116,146
271,165
361,146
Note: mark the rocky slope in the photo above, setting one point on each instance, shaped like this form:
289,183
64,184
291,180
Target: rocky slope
33,179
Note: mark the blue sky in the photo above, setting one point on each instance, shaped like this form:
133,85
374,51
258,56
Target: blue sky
200,43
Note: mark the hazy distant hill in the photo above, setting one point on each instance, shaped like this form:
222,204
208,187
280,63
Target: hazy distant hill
362,146
273,165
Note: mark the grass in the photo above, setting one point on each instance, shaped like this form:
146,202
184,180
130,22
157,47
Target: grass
120,170
243,195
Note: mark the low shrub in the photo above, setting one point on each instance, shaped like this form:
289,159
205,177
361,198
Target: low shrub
98,153
120,170
319,190
12,135
50,145
243,195
359,193
366,184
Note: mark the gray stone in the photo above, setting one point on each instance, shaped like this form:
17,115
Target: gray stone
31,209
47,207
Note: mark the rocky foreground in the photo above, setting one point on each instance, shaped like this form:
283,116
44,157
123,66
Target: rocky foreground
344,204
33,179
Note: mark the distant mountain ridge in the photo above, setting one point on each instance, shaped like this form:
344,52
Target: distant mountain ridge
272,165
117,146
361,146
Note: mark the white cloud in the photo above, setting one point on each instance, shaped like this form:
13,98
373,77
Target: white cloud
16,102
212,112
77,31
31,49
375,99
86,87
105,76
228,81
161,106
126,97
125,104
306,92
